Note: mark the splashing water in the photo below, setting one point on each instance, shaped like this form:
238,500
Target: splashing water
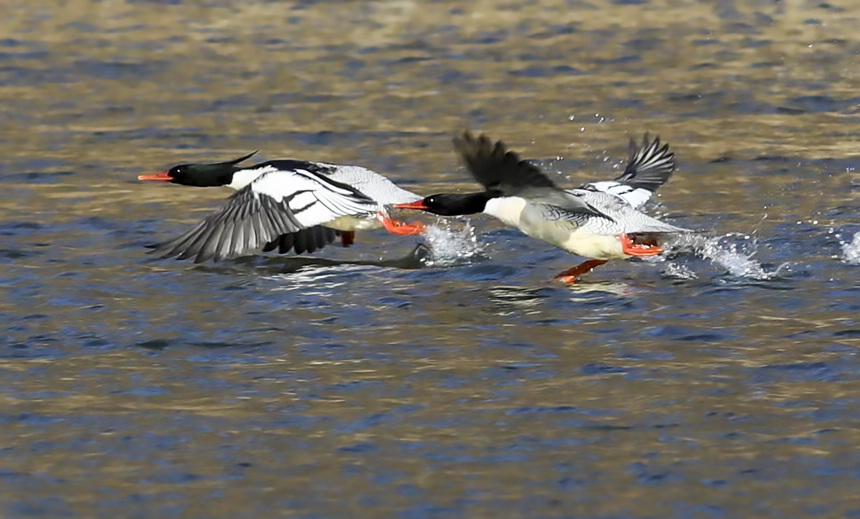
851,251
733,252
450,246
679,271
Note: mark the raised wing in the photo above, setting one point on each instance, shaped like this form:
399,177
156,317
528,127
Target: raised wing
276,203
649,166
496,168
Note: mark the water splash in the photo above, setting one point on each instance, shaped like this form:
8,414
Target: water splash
851,251
679,271
733,252
451,246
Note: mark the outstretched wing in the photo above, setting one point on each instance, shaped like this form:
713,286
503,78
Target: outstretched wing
276,203
649,166
496,168
306,240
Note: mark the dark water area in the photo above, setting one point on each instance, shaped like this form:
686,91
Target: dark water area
445,375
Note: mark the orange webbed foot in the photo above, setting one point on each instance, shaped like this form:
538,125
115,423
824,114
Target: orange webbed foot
637,249
569,276
395,227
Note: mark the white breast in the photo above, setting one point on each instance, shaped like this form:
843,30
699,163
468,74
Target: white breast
507,209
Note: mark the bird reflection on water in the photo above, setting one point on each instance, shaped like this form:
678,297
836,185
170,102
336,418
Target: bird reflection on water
274,265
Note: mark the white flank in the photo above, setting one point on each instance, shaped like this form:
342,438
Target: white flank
365,222
596,246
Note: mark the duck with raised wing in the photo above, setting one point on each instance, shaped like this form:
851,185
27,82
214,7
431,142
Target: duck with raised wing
284,204
599,221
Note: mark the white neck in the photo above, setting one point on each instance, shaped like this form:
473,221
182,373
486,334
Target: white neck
506,208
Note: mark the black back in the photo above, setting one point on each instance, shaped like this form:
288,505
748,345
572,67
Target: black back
292,165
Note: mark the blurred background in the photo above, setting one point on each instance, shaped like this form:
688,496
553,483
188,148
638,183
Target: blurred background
447,375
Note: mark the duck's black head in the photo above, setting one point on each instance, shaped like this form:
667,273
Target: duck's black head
449,204
199,175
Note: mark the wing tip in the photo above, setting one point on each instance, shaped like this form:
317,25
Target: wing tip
649,165
495,166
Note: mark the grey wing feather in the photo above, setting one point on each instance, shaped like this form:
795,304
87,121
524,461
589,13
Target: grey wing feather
318,237
246,223
573,215
564,203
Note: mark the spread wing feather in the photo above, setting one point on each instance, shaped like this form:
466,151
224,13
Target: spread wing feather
497,168
649,166
261,213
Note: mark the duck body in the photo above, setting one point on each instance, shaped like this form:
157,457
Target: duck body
552,216
272,178
285,205
599,220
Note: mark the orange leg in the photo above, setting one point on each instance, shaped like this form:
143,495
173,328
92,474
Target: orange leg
569,276
347,238
638,249
395,227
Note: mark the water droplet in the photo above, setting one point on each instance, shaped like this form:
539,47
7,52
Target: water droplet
851,251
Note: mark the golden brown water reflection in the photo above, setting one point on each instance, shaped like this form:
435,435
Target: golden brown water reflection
691,387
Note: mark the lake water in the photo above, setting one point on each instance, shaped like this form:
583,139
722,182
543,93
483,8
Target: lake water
446,375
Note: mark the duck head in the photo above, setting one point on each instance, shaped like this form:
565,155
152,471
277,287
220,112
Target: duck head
450,204
199,175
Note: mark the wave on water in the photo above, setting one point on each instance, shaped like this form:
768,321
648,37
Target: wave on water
733,252
450,245
851,250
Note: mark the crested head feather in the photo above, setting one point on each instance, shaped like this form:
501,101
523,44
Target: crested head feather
227,165
240,159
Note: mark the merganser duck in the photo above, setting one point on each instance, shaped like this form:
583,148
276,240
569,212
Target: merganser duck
284,204
599,220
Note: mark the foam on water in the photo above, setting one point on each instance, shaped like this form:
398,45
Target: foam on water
679,271
733,252
851,250
450,245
